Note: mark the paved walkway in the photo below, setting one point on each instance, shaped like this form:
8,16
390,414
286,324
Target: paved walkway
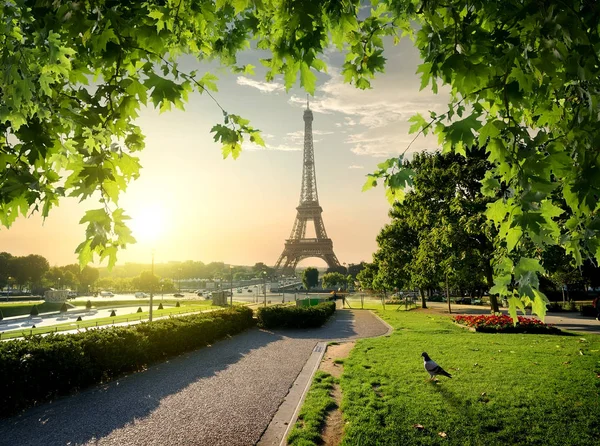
225,394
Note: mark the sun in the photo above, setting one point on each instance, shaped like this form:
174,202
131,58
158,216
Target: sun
148,224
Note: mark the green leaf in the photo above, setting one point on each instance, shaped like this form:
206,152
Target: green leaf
308,79
208,81
419,123
370,183
512,238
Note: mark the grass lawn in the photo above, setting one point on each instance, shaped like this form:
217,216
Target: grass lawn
24,308
95,322
507,389
307,430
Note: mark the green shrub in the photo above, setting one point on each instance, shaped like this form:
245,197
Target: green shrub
64,308
1,314
79,319
160,306
279,316
88,305
41,368
139,310
34,311
177,305
113,313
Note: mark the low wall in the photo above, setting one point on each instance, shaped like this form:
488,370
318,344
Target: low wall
56,295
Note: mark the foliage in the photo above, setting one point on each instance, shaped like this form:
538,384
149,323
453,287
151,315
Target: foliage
88,305
113,313
524,80
147,282
313,414
64,308
530,90
34,311
24,271
139,310
438,231
160,306
310,277
507,389
333,280
280,316
505,324
76,361
366,276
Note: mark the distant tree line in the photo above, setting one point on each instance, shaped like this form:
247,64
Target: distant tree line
33,272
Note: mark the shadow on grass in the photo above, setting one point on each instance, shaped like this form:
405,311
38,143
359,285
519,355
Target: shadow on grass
93,414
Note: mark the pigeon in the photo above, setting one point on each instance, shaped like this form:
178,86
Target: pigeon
432,368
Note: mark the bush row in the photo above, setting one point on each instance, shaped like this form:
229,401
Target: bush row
279,316
41,368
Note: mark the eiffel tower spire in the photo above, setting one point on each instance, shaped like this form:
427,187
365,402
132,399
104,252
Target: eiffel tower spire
298,247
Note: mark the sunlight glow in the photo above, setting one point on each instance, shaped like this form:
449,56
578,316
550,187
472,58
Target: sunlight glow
148,224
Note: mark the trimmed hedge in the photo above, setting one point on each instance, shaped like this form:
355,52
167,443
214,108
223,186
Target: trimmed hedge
280,316
39,368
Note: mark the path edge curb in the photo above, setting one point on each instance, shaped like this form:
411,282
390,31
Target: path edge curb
324,344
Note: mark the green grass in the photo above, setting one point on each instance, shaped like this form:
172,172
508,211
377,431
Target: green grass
24,308
86,323
507,389
307,430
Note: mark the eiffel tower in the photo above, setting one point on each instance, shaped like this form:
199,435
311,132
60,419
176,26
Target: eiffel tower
298,247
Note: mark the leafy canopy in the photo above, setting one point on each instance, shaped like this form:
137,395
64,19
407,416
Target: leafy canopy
524,77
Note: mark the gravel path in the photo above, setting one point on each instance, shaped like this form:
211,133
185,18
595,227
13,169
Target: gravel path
220,395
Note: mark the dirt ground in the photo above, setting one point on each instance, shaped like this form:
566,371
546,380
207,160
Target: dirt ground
334,424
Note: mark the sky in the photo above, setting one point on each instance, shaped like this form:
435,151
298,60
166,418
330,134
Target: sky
191,204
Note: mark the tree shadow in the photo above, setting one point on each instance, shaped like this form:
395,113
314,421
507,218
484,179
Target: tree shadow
96,412
343,325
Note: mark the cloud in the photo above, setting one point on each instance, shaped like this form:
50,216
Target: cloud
251,147
354,166
376,120
263,87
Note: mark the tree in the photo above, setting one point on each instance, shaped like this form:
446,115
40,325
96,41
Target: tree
354,269
36,268
54,277
367,275
439,230
87,277
310,277
524,78
147,282
333,280
5,268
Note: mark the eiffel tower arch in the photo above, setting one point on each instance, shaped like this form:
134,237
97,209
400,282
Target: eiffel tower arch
298,247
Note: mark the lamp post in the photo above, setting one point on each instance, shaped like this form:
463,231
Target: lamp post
151,289
265,287
231,285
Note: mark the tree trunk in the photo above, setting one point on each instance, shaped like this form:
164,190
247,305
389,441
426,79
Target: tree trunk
423,301
489,274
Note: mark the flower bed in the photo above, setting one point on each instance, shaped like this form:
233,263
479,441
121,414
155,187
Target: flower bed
504,324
